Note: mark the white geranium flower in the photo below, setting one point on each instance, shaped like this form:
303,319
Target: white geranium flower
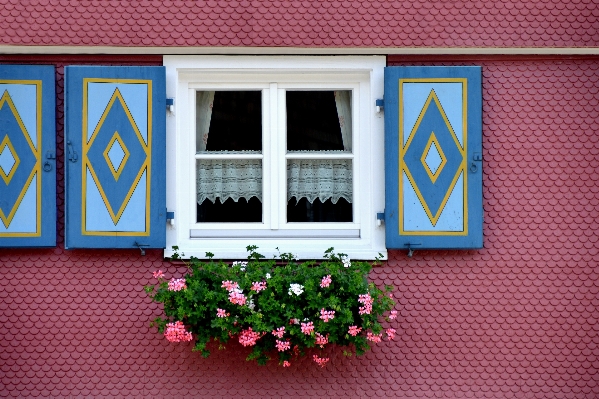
241,265
267,276
346,261
296,289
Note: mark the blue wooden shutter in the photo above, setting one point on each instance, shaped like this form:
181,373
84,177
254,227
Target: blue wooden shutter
115,157
433,151
27,156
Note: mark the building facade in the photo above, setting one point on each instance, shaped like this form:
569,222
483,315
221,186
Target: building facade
516,318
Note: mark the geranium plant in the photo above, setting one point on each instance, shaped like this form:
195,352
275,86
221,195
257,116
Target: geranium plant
275,306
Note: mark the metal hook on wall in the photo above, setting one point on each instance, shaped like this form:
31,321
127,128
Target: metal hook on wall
141,247
410,249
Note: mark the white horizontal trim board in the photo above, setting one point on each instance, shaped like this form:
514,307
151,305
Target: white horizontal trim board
206,50
299,234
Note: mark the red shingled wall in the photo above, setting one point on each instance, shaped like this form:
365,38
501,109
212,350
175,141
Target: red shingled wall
518,319
305,23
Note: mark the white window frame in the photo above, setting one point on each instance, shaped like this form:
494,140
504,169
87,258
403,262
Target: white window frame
364,238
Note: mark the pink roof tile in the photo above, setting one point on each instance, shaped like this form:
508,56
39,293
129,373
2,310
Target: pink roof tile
311,23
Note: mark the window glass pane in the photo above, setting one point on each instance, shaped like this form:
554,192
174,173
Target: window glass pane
317,211
319,190
319,120
228,121
229,190
242,211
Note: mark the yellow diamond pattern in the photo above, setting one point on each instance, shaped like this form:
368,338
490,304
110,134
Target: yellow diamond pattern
432,141
116,169
6,145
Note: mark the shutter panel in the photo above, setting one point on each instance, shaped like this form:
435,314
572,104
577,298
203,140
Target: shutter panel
433,150
115,157
27,156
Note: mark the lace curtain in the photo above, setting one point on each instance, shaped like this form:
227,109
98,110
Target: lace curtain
228,178
306,178
319,178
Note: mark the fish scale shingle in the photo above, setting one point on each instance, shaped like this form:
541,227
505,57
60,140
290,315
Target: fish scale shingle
532,23
517,319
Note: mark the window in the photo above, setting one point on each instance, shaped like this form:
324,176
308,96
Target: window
275,152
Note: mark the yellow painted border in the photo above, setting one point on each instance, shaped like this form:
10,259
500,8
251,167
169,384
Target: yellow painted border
433,139
37,169
402,149
7,143
85,164
116,173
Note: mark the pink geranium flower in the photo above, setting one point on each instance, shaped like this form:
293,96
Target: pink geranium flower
230,285
158,274
354,330
282,345
176,284
221,313
367,301
248,337
175,332
286,363
307,328
390,333
321,361
237,298
259,286
279,332
393,314
326,315
374,337
326,281
322,340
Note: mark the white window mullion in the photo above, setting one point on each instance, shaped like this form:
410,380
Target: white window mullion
273,168
266,160
281,156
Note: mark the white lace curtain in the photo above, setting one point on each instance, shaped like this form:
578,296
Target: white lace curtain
307,178
229,178
319,178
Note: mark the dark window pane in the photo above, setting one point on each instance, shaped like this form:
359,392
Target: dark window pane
242,211
235,122
304,211
312,121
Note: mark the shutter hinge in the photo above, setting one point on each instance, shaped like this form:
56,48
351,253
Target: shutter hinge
170,105
477,156
380,218
47,165
380,104
72,153
170,217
